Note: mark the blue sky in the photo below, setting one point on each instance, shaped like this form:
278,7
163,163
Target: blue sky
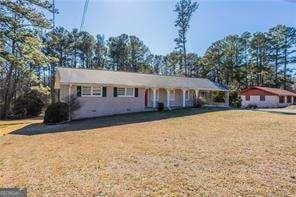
153,20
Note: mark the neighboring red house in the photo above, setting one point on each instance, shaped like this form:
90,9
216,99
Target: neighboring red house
267,97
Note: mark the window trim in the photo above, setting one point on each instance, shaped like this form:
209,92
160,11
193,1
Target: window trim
125,92
91,91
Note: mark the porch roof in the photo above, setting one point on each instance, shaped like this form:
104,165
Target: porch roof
118,78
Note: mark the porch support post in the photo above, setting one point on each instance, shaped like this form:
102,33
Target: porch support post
196,93
227,98
154,97
168,98
184,98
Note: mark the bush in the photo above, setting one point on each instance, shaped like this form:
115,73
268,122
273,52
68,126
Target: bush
56,113
234,99
219,97
237,104
160,107
29,104
198,103
252,106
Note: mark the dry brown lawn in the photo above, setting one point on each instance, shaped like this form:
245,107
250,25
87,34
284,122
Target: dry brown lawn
213,153
11,125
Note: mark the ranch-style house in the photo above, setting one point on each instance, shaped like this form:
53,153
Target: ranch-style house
267,97
102,92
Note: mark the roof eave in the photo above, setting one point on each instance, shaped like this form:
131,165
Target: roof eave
141,86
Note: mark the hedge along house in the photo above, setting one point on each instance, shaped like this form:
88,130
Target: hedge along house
103,92
267,97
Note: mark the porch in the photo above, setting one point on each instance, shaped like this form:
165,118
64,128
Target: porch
181,98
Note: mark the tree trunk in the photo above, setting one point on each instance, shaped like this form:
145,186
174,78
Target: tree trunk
276,67
7,88
185,60
6,99
285,69
52,81
61,58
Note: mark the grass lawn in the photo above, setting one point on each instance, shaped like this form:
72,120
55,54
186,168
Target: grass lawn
12,125
185,152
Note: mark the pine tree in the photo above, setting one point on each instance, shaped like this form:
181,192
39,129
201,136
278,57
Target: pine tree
184,10
20,21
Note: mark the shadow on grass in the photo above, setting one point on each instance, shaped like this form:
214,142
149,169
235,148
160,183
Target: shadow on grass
107,121
284,112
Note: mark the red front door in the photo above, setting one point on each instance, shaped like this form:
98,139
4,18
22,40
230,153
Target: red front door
146,97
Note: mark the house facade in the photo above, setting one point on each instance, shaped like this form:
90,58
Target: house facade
264,97
102,93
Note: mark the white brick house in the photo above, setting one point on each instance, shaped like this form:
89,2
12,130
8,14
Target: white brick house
102,92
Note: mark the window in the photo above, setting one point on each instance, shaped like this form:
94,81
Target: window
262,97
125,92
86,91
97,91
203,94
187,95
247,97
129,91
91,91
172,95
289,99
120,91
281,99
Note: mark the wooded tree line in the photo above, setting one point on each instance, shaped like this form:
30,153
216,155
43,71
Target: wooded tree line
30,51
263,58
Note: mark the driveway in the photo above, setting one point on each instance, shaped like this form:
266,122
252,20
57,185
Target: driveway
287,110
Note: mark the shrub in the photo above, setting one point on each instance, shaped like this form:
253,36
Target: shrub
198,103
237,104
219,97
29,104
252,106
56,113
160,107
234,99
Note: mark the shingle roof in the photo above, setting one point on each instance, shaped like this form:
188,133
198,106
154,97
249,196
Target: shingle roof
276,91
86,76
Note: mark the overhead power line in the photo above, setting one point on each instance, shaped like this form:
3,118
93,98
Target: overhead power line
84,14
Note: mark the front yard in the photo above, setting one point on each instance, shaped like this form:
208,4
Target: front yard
185,152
